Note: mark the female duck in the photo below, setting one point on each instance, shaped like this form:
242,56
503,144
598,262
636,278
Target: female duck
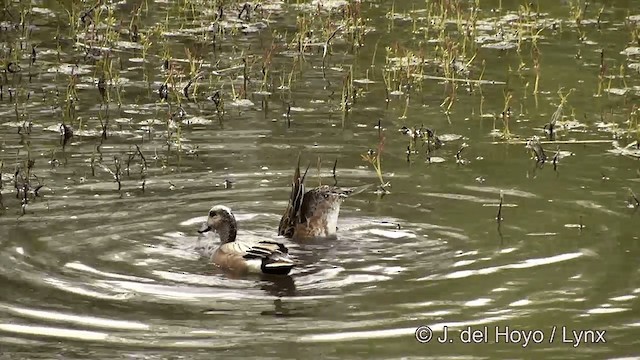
267,257
313,214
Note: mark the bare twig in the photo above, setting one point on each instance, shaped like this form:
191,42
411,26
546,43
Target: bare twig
634,201
288,116
325,49
499,215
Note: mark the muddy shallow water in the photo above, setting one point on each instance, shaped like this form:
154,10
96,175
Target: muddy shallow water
91,271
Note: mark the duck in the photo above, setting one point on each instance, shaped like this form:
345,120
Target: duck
265,257
313,213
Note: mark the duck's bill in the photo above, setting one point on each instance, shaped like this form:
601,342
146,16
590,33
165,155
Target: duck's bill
204,228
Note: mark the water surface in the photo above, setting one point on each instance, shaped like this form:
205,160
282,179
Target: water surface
93,272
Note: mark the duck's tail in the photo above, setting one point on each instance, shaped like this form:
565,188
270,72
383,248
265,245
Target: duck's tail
275,257
291,214
276,267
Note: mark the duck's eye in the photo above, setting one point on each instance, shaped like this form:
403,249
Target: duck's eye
326,196
212,213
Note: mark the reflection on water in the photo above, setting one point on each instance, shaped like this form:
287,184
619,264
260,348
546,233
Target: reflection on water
93,271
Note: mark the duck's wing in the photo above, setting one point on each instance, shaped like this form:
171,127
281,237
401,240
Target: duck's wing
273,256
293,213
265,249
268,257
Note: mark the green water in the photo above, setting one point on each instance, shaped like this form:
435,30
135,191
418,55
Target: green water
93,272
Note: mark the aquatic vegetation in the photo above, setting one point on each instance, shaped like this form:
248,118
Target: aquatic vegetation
202,61
631,150
121,120
374,158
634,202
534,145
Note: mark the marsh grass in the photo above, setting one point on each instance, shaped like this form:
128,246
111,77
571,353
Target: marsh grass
374,158
442,48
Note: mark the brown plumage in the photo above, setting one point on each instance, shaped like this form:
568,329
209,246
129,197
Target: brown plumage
313,213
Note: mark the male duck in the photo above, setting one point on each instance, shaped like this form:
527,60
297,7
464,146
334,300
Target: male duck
313,214
267,257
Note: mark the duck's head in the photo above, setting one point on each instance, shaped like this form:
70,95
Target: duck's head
222,220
